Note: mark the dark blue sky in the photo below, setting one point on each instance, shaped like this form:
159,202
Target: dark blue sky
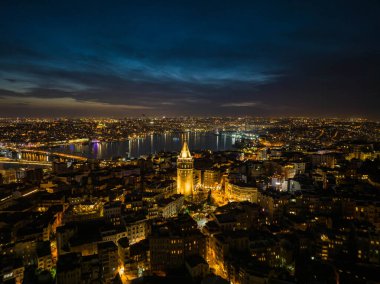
124,58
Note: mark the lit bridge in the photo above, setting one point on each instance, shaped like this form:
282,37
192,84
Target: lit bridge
25,162
30,156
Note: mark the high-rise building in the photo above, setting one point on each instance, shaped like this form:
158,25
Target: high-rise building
69,269
185,165
173,241
108,256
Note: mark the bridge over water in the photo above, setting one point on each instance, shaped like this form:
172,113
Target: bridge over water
37,156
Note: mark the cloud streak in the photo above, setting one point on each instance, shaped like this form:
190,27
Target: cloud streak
242,104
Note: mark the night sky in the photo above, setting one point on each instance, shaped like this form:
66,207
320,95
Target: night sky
128,58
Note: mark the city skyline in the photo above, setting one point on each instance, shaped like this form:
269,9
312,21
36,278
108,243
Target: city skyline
278,58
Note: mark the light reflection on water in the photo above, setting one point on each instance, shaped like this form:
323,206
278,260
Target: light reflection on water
151,144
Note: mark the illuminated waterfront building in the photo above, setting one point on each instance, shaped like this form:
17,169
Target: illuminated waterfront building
185,165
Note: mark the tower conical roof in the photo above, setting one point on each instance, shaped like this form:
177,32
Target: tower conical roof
185,152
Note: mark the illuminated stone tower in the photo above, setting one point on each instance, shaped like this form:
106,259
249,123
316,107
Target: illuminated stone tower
185,164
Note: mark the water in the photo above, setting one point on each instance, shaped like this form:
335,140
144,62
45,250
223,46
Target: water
134,148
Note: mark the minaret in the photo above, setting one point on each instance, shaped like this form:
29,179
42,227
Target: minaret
185,164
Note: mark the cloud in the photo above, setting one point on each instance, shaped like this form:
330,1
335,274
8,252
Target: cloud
179,59
65,102
242,104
